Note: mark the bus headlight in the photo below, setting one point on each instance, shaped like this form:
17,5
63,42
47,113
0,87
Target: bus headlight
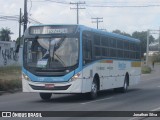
75,77
26,77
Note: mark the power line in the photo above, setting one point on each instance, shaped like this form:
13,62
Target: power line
54,1
32,20
12,18
105,4
123,6
16,18
77,8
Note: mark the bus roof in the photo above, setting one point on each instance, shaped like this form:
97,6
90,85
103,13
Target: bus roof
85,28
114,35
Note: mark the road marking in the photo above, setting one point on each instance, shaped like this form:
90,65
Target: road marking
97,100
156,109
134,118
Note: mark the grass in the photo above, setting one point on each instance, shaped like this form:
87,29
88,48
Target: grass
10,78
146,70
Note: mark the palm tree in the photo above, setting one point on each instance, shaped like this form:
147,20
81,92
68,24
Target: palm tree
5,34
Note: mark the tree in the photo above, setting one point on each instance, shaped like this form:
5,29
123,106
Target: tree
5,34
157,40
122,33
117,31
142,36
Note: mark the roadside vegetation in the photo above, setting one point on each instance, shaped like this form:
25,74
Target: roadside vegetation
10,78
146,70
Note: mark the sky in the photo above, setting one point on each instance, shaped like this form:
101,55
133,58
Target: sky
125,15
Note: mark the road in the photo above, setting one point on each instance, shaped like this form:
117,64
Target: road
142,97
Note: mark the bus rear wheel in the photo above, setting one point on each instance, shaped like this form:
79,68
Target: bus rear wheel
45,96
125,85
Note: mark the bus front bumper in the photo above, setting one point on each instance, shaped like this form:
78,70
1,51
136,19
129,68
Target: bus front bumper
63,87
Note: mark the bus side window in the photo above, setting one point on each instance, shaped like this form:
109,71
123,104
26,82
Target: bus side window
87,48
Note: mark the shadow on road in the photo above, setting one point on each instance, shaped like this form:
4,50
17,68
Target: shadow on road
78,98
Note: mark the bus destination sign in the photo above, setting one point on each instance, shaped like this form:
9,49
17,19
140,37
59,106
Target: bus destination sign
50,30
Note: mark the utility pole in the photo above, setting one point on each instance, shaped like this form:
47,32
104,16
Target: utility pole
25,16
97,20
20,22
147,49
159,39
77,8
149,32
19,40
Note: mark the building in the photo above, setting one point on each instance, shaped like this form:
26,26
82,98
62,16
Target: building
8,56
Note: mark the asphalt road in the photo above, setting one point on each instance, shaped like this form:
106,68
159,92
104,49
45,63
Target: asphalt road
142,97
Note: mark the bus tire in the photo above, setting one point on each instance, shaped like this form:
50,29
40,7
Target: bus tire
124,88
94,90
125,85
45,96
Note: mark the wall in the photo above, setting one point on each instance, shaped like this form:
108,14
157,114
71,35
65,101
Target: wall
8,56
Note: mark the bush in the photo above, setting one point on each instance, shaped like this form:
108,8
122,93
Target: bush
146,70
10,78
9,85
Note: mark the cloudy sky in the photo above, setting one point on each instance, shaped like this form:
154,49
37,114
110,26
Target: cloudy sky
125,15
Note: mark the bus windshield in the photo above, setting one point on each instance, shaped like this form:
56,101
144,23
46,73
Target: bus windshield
51,53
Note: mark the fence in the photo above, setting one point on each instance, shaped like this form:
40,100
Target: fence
8,56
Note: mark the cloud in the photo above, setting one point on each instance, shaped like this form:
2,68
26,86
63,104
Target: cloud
54,14
10,8
125,19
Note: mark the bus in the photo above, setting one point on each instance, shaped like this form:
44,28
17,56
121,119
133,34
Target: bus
78,59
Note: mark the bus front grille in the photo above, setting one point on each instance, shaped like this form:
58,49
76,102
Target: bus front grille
54,88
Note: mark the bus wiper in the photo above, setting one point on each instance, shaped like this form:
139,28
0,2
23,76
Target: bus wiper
60,59
53,48
57,45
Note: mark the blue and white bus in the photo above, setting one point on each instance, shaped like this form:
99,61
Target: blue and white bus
78,59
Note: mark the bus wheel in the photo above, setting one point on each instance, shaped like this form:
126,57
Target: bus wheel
45,96
124,88
94,90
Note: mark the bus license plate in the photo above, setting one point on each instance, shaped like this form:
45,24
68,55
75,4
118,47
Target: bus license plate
49,85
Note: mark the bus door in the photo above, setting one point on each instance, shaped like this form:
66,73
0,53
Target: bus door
87,61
